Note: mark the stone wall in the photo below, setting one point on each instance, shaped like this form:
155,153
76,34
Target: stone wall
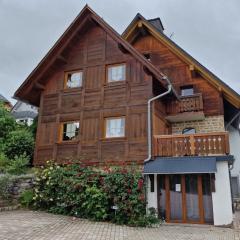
209,124
16,185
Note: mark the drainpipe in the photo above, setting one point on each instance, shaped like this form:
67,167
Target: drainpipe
149,118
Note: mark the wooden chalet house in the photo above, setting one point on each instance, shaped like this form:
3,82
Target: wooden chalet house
105,98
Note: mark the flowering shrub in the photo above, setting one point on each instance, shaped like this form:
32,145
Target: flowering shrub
115,194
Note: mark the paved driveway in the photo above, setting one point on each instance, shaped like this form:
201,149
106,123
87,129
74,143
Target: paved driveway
28,225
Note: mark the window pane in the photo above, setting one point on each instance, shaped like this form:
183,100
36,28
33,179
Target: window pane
115,127
70,131
192,203
117,73
189,131
188,91
74,80
175,197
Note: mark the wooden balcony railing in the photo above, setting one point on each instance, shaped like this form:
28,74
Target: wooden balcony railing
191,103
191,144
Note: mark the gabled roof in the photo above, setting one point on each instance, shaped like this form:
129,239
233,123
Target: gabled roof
24,114
130,33
25,91
16,105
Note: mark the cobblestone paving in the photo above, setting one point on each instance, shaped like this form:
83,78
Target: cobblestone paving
28,225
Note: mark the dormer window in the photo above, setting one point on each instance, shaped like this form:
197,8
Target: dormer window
116,73
73,79
187,91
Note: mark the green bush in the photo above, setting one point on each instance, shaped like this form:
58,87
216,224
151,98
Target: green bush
3,162
96,203
19,142
85,192
33,127
26,198
18,165
7,122
15,140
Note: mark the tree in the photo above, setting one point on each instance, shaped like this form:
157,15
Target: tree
33,127
19,142
15,139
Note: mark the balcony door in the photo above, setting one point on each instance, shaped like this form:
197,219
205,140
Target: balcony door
185,198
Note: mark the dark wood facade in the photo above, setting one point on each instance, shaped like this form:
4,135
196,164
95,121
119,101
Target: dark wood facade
93,102
181,74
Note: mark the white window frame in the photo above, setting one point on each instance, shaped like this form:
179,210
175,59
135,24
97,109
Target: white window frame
109,133
71,138
67,85
110,78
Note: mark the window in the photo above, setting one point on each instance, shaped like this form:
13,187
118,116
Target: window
115,127
189,131
73,79
22,121
70,131
116,73
187,91
151,178
235,187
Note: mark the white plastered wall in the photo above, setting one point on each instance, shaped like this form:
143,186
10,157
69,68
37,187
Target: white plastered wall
234,139
152,196
221,198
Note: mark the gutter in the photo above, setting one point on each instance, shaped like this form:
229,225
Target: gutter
149,119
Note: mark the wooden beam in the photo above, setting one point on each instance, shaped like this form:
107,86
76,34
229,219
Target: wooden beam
146,70
168,207
193,71
39,86
61,59
184,200
122,48
143,31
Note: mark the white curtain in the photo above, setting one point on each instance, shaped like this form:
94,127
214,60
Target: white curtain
117,73
115,127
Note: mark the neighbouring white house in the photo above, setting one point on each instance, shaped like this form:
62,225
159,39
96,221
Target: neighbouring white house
24,113
234,139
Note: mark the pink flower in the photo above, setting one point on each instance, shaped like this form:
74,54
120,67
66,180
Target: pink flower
140,184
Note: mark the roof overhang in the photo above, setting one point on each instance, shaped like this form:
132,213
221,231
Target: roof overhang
185,165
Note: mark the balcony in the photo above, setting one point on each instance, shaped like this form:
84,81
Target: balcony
189,108
206,144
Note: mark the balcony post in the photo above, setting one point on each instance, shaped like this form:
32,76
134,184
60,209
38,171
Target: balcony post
192,144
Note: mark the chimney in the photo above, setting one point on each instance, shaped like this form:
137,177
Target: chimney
156,22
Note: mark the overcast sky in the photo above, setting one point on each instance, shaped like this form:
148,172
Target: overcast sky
208,29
